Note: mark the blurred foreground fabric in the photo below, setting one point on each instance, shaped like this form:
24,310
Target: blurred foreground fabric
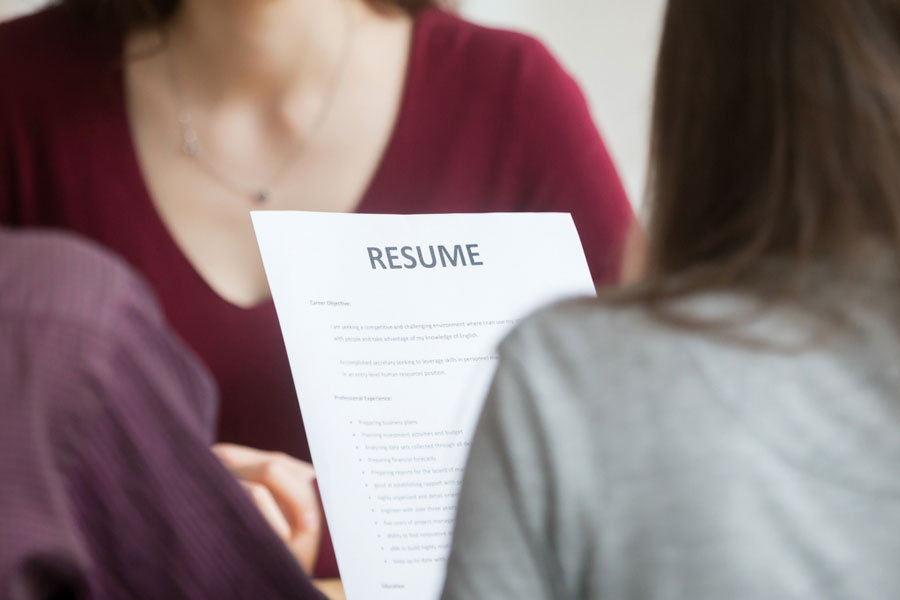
107,486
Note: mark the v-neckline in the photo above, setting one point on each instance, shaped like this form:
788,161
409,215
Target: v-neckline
153,218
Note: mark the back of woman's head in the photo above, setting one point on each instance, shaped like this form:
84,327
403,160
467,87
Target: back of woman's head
776,135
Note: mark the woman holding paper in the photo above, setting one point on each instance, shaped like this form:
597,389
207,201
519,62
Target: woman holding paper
728,428
155,126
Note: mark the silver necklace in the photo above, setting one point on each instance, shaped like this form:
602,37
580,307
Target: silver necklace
193,148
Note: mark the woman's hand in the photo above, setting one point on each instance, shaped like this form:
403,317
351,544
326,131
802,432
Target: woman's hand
282,488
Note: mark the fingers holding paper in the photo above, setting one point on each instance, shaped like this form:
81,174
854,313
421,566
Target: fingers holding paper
283,489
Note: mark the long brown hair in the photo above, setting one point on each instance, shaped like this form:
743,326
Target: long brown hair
124,15
776,138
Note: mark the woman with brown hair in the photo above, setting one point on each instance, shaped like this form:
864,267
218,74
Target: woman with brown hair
729,428
155,126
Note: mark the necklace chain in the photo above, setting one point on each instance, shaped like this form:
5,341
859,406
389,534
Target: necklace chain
192,147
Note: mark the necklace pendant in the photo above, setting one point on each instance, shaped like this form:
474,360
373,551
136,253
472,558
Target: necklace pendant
262,196
190,142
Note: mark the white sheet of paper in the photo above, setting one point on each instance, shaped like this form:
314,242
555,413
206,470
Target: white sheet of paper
392,362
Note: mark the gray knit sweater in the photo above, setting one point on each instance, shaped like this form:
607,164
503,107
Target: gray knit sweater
621,458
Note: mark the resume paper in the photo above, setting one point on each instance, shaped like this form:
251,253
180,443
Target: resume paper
391,324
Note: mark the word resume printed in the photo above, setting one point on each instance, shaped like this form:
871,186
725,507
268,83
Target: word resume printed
391,324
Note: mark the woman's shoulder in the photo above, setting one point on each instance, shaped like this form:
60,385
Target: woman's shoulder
499,59
590,321
50,51
37,38
597,344
18,33
509,91
593,345
620,316
69,278
451,33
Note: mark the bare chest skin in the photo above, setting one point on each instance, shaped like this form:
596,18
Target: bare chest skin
249,140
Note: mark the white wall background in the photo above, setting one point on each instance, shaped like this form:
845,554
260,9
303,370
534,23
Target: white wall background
608,45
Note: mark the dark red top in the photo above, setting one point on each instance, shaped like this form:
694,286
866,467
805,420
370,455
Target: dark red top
489,122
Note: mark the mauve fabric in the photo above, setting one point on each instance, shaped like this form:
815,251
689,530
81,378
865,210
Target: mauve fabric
107,485
489,122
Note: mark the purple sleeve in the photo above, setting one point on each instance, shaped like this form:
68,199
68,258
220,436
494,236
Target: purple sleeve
107,486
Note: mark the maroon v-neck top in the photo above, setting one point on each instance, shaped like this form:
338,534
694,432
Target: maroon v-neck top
489,122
